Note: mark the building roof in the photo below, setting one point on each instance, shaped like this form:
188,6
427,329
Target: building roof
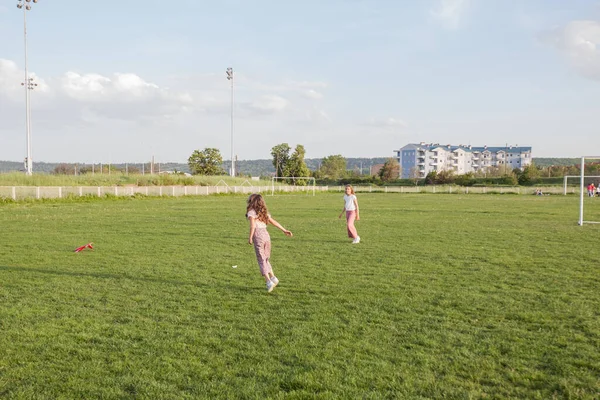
448,147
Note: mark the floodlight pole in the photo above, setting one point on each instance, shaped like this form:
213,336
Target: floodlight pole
229,72
505,157
29,85
582,185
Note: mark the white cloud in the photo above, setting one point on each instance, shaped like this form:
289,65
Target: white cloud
74,99
449,13
122,96
85,87
579,43
10,79
312,94
127,117
269,104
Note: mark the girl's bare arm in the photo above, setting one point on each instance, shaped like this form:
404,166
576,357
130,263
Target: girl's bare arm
356,205
252,229
278,225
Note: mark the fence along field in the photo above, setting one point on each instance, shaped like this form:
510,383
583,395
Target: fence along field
452,296
57,192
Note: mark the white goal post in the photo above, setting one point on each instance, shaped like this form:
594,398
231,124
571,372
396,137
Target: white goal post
566,177
310,185
584,190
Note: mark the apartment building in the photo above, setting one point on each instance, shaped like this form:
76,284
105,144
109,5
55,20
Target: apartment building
420,159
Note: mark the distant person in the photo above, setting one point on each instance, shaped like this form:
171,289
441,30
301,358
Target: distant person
259,217
591,190
352,213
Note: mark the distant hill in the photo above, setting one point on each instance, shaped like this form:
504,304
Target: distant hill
245,167
11,166
253,167
563,162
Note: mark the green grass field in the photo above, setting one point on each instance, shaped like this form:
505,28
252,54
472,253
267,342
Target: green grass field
447,296
118,179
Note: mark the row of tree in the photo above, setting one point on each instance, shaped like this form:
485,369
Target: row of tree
76,169
334,167
287,164
530,175
209,161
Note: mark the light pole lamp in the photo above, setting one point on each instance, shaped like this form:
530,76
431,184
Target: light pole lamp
28,84
229,73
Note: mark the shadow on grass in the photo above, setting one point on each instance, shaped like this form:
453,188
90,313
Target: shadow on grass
243,287
103,276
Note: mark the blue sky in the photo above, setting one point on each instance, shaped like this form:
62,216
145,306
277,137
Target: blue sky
122,81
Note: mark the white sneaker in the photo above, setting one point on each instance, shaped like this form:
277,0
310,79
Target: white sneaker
275,280
270,286
356,240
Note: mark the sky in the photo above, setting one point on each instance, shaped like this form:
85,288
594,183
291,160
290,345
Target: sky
125,81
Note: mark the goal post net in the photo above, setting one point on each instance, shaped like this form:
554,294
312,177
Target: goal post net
571,183
584,192
297,183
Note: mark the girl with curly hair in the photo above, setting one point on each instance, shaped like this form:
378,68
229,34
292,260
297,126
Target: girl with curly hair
259,217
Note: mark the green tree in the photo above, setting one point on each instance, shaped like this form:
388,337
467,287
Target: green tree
445,177
281,156
206,162
593,168
297,167
467,179
495,171
64,169
333,167
431,177
529,176
509,179
390,170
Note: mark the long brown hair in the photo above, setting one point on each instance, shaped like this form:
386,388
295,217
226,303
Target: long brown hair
257,203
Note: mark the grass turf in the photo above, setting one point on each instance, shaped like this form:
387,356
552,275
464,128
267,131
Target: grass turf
455,296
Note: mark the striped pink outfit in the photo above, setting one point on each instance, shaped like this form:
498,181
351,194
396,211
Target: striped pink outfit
262,248
262,244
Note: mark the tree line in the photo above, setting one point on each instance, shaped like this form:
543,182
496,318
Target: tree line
291,164
332,169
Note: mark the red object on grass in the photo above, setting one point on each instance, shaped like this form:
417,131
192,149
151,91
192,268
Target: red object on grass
87,246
